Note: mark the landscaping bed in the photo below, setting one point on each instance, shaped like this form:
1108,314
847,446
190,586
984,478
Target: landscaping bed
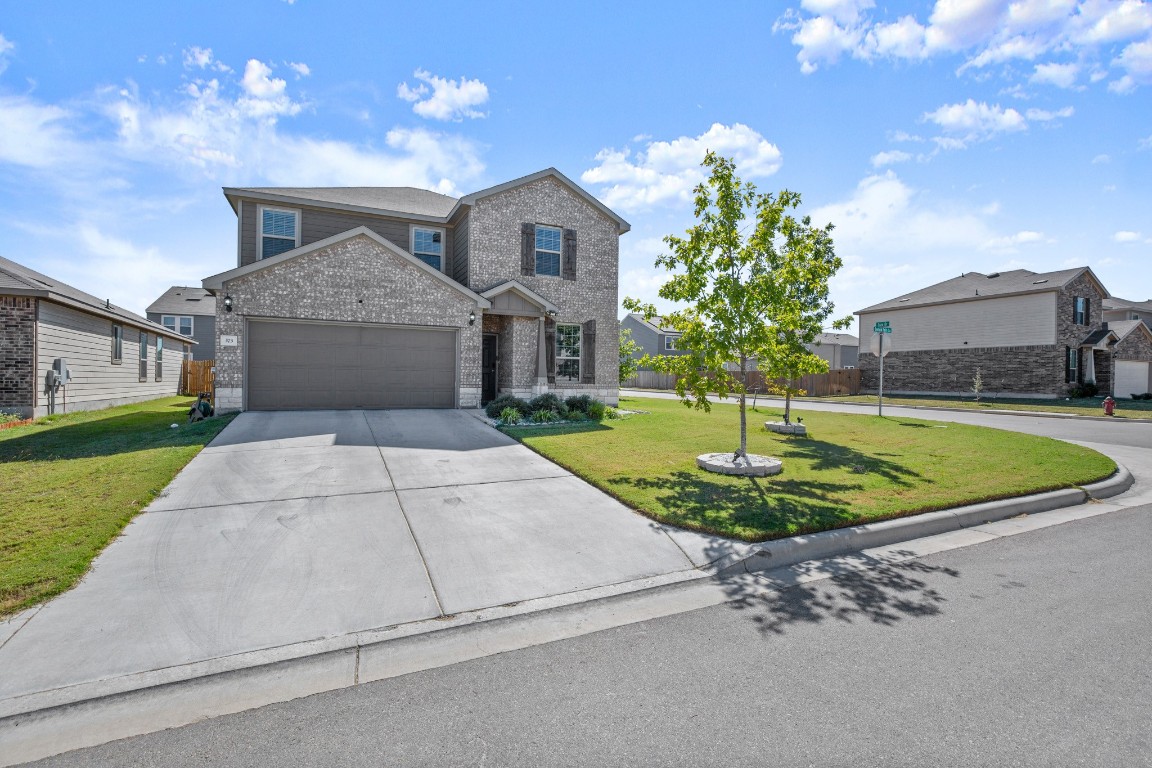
71,483
851,469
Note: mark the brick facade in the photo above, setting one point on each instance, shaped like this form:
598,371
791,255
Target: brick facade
1034,370
494,248
357,281
17,353
1135,346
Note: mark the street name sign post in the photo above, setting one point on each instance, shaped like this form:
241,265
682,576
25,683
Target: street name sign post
880,330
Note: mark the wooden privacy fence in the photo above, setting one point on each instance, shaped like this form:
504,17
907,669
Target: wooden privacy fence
196,376
839,382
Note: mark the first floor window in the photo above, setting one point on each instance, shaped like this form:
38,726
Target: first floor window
143,356
181,324
159,358
568,352
117,344
428,246
279,231
1073,365
548,240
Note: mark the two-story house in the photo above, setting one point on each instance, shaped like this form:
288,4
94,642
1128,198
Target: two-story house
1029,334
189,311
392,297
652,337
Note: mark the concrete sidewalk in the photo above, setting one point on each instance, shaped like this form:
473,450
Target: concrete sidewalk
297,526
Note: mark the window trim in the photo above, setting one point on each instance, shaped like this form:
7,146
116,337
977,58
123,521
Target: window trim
117,344
176,324
670,343
536,251
143,372
579,352
260,228
443,244
159,357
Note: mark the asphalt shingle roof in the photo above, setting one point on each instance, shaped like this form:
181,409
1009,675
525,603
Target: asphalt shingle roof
17,277
184,300
972,284
421,202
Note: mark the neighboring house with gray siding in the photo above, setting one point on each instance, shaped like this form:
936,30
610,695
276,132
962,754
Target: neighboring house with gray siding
651,336
840,350
114,356
1029,334
190,312
392,297
1126,309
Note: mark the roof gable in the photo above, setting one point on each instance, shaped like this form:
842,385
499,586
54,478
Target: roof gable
216,282
621,225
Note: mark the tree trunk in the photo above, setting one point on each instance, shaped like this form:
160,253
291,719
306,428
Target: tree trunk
788,401
743,416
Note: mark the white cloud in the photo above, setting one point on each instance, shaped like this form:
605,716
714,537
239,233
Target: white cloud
35,134
1044,116
669,170
1059,75
1145,143
1101,160
984,33
1126,236
880,159
446,99
976,120
300,68
1011,243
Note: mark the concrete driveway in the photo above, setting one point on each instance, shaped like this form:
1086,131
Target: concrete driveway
295,526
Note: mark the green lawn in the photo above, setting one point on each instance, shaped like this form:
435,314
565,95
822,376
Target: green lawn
851,469
1086,406
71,483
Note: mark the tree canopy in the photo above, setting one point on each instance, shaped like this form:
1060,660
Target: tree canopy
758,296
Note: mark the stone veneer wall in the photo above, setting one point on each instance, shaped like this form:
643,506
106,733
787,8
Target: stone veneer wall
18,353
1026,370
1135,346
357,281
494,258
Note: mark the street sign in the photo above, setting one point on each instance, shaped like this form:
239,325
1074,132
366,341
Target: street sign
882,330
881,325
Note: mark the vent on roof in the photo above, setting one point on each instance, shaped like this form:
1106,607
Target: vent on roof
191,299
1038,282
994,274
903,300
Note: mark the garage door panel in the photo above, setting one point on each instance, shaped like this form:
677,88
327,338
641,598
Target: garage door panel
320,365
1132,378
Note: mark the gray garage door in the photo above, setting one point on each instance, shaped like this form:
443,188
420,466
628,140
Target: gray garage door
331,365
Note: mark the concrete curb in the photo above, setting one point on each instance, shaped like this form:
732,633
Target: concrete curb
46,723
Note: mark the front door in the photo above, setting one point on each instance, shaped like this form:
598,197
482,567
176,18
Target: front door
488,369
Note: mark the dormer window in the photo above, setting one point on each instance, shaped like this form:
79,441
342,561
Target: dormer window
279,230
428,246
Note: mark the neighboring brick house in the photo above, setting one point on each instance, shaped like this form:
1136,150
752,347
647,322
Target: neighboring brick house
1133,357
392,297
114,356
191,312
651,336
1029,334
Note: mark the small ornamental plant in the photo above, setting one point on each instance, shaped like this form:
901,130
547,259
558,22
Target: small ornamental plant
510,416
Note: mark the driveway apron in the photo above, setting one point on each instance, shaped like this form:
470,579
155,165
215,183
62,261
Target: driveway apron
295,526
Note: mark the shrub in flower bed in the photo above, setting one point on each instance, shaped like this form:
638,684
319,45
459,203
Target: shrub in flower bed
497,406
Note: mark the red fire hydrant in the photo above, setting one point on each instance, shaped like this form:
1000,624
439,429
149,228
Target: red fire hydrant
1109,406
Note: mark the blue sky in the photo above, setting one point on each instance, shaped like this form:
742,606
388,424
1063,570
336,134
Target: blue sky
939,138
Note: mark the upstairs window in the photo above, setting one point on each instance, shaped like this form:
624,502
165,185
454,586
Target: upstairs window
279,231
1080,311
670,343
181,324
568,353
428,246
548,243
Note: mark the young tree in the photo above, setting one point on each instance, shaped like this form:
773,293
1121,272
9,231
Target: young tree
753,297
628,347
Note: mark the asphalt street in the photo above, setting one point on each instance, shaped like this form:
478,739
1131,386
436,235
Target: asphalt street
1029,650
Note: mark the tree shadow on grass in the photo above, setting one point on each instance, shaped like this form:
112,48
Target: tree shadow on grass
883,593
766,510
822,456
